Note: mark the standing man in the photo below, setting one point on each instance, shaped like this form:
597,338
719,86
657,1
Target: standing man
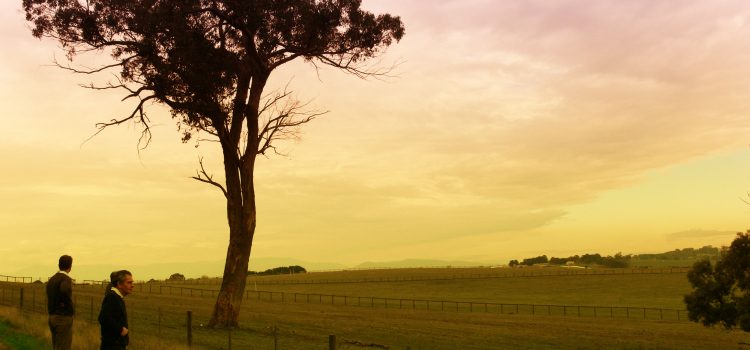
60,305
113,317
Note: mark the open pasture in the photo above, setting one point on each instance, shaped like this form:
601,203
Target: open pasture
299,325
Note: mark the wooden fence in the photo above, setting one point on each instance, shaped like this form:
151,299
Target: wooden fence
15,279
434,305
33,300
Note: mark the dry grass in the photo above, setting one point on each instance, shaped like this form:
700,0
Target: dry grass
85,334
159,321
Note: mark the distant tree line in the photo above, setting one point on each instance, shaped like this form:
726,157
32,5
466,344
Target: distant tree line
282,270
618,260
687,253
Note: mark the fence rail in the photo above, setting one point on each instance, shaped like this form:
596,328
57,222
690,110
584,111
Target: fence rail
628,312
15,279
32,298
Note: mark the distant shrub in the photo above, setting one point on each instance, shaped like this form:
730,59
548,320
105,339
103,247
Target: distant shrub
176,277
282,270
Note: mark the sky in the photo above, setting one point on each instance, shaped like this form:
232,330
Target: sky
509,129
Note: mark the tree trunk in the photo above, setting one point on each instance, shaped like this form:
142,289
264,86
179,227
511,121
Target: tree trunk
241,211
229,301
242,221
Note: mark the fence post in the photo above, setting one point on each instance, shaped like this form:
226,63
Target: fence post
91,309
275,338
20,299
331,342
190,328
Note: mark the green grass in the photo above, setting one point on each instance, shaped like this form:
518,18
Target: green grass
161,319
14,339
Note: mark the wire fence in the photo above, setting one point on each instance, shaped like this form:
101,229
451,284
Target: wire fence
597,311
175,325
151,311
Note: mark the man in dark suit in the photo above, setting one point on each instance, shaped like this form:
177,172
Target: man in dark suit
60,305
113,317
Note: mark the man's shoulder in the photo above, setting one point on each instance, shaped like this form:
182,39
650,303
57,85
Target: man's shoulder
59,276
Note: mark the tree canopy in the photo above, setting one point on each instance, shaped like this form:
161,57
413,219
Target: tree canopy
721,291
209,61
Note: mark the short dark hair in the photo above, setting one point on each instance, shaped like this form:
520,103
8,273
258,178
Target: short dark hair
117,277
65,262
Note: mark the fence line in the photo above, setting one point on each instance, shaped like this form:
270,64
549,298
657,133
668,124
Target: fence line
26,300
15,279
598,311
33,298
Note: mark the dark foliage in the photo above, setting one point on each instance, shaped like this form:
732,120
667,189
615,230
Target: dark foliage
686,253
175,277
542,259
720,293
208,61
282,270
616,261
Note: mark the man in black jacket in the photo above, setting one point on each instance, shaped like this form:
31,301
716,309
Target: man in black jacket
60,305
113,317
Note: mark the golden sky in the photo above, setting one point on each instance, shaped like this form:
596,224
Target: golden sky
512,129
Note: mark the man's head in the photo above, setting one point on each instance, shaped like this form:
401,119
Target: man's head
123,281
65,263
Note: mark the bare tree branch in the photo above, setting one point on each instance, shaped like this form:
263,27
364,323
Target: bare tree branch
284,120
203,176
139,115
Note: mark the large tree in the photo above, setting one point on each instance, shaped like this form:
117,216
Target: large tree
721,291
209,61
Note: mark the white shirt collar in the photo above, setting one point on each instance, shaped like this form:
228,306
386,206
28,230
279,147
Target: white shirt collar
117,291
62,271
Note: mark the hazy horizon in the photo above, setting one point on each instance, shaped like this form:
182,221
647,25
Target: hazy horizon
214,269
511,129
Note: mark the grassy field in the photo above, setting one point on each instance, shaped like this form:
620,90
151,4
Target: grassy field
160,319
12,338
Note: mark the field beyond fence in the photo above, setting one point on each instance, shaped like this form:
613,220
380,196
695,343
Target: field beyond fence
292,319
